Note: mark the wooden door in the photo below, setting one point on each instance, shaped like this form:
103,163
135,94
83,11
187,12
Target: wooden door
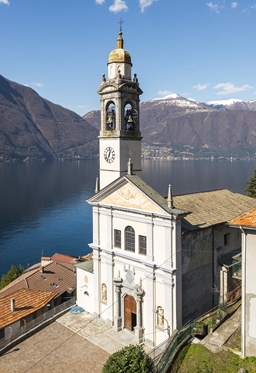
129,312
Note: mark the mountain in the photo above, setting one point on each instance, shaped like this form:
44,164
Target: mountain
35,128
178,127
31,126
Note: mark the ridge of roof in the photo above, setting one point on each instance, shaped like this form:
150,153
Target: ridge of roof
144,188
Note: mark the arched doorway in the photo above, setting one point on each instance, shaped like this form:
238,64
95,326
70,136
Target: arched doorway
130,312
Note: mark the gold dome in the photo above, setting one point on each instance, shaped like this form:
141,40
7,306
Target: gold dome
119,54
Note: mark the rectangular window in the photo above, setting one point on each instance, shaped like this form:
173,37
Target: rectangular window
143,245
117,238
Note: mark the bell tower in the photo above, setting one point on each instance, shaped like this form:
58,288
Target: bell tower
120,136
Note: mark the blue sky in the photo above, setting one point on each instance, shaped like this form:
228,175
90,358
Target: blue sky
200,49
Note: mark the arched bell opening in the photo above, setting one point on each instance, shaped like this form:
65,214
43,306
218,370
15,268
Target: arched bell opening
129,117
110,116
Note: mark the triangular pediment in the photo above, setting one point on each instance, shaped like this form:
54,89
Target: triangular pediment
129,196
131,192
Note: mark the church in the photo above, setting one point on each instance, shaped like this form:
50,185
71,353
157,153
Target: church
156,261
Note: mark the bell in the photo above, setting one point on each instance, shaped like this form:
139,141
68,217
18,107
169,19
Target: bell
130,119
110,119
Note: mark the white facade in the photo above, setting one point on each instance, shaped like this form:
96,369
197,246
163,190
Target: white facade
137,251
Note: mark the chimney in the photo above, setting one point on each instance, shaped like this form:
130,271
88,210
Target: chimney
170,199
12,304
45,260
41,269
129,167
97,185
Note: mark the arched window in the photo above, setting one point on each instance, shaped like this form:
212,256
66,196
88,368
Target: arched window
129,239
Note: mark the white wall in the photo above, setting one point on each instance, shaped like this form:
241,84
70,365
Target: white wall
85,283
248,293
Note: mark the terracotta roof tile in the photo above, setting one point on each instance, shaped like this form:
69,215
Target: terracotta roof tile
247,219
63,258
26,303
56,277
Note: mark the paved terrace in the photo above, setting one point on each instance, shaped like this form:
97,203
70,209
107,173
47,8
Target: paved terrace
74,343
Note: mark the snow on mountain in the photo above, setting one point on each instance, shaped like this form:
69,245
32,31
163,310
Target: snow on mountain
231,101
233,104
174,99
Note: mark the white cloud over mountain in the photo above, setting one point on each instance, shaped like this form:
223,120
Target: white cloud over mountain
164,93
228,88
200,87
36,84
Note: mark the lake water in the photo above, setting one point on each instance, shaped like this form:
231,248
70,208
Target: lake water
43,208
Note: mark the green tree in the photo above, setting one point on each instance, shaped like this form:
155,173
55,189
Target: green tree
251,188
11,275
130,359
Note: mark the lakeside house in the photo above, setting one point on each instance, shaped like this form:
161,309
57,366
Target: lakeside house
39,289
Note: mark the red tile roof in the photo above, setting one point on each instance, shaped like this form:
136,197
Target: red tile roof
26,303
56,277
247,219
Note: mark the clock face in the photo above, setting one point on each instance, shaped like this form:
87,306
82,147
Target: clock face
109,154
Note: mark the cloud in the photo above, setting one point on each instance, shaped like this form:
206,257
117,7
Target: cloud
118,6
200,87
81,106
253,6
234,5
99,1
145,3
5,2
37,84
228,88
164,93
214,7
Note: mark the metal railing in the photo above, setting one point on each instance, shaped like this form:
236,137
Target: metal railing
177,340
34,323
157,351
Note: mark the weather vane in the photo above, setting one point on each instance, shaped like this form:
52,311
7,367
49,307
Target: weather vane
121,22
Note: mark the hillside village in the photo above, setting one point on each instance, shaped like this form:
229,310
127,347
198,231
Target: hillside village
156,263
